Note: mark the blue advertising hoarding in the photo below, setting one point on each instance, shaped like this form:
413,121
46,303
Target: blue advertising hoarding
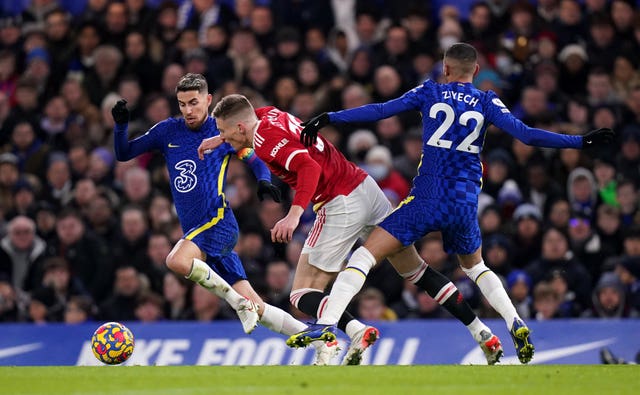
402,343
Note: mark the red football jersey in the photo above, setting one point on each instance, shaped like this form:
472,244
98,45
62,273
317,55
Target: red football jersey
277,142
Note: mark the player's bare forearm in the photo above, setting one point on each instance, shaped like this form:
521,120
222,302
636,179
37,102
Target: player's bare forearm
283,230
208,145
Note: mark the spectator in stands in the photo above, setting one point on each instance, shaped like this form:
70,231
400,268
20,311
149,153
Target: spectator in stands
136,186
134,240
80,106
609,299
29,150
45,217
158,249
24,200
625,76
259,76
206,306
199,15
101,167
243,50
528,221
628,270
604,171
559,214
101,219
60,285
600,89
490,220
407,162
102,78
127,288
519,288
573,69
84,193
58,188
569,26
498,162
582,192
627,196
379,165
608,226
10,306
278,279
149,307
88,256
176,291
628,160
39,306
78,310
21,252
372,307
478,30
568,305
556,255
546,302
160,212
539,187
497,254
622,12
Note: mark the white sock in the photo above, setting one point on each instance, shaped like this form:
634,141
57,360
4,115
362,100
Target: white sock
347,285
492,289
353,327
202,274
475,327
280,321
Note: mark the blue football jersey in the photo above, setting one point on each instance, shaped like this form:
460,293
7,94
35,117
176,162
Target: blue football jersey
197,185
455,117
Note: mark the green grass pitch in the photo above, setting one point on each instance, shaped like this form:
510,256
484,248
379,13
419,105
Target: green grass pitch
326,380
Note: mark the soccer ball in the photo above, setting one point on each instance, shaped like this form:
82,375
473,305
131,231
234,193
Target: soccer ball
112,343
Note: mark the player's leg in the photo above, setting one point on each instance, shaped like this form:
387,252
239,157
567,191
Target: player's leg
413,268
279,321
368,205
186,259
308,295
338,226
493,290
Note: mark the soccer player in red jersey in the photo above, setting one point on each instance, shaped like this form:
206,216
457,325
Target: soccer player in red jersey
348,204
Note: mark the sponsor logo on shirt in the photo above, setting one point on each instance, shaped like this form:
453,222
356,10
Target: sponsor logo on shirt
281,143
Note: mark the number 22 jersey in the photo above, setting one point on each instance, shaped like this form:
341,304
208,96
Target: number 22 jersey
455,117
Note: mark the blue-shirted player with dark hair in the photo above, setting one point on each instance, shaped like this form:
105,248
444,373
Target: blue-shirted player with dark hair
209,226
444,197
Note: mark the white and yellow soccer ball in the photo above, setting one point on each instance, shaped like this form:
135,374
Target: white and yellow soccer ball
112,343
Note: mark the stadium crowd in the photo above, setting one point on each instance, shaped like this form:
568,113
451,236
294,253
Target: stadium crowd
85,237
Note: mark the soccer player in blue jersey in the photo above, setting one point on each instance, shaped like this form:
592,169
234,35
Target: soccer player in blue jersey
205,253
444,196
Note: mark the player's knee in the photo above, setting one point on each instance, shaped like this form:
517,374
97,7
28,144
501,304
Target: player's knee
175,265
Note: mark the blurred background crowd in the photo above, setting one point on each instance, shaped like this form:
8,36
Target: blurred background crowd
84,237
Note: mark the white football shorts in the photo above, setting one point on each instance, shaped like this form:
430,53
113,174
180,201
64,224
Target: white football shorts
341,221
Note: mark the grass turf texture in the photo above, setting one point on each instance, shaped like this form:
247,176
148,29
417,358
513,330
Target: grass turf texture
326,380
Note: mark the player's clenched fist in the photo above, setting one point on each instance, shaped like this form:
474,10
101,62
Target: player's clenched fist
120,112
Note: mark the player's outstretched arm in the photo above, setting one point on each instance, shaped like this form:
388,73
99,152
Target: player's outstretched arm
367,113
124,148
208,145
